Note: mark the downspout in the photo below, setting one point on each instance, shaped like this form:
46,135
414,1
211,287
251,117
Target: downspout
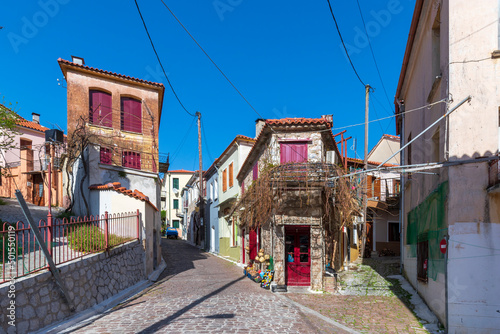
169,200
401,191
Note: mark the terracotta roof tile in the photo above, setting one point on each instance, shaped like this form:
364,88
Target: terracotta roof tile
392,137
298,121
180,171
67,62
370,162
117,187
31,125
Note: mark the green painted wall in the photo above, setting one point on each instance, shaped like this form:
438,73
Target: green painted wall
226,250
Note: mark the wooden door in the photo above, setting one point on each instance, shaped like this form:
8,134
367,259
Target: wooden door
298,255
38,190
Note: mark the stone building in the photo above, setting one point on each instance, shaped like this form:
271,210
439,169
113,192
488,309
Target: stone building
282,209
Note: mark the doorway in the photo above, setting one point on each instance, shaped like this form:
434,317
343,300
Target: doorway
298,255
38,190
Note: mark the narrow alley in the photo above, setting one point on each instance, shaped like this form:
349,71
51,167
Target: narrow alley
200,293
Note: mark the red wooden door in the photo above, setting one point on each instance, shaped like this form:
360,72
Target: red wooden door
298,255
252,244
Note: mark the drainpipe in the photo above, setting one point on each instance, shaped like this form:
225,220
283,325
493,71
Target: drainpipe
401,191
169,200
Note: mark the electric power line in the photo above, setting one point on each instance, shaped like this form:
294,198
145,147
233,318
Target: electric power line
373,55
159,61
342,40
205,137
211,60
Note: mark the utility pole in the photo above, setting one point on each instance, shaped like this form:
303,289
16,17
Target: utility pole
365,162
201,232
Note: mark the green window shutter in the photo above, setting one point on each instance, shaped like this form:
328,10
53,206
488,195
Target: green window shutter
176,203
176,223
175,183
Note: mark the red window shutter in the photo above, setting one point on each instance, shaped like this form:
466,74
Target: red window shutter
131,160
242,187
105,156
252,244
293,152
256,171
100,112
131,115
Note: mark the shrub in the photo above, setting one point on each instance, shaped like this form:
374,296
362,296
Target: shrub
90,238
86,238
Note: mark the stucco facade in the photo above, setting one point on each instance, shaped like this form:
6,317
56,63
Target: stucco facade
228,165
452,53
171,200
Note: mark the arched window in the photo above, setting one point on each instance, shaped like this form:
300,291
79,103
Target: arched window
131,114
100,112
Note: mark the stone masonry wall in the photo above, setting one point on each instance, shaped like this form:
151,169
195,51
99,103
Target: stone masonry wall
90,280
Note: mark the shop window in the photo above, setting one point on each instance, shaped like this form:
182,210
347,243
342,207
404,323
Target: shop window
131,159
100,112
422,260
131,114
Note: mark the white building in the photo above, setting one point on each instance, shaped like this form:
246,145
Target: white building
450,215
171,201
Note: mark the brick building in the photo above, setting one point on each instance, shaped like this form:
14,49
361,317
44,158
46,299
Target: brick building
120,116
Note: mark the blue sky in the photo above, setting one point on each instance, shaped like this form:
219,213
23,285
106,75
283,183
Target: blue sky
284,56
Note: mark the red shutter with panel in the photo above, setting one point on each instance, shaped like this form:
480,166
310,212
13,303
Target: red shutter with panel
293,152
256,171
100,112
131,115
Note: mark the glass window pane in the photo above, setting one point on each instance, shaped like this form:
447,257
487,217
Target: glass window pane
304,257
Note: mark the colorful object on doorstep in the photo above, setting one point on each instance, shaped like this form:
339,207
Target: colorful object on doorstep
267,279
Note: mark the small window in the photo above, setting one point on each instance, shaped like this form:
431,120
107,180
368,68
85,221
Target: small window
131,115
175,223
175,183
105,156
131,159
176,203
422,260
224,180
394,232
230,175
100,112
25,144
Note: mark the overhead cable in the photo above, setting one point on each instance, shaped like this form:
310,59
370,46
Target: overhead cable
343,44
159,61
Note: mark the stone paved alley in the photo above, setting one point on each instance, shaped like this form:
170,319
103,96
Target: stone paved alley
201,293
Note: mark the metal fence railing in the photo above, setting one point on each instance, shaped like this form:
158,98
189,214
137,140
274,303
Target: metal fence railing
66,240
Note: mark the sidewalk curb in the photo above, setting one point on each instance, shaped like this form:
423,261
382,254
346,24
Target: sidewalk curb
317,314
82,318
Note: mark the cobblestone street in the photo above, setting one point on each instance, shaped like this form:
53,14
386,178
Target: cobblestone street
200,293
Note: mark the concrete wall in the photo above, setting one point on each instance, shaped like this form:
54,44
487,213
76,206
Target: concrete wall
149,221
90,280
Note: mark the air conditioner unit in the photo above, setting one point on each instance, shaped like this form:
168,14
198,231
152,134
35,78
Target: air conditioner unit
331,157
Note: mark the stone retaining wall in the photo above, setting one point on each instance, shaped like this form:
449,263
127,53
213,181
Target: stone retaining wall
90,280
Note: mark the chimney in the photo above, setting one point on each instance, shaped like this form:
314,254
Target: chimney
35,117
259,124
328,118
78,60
